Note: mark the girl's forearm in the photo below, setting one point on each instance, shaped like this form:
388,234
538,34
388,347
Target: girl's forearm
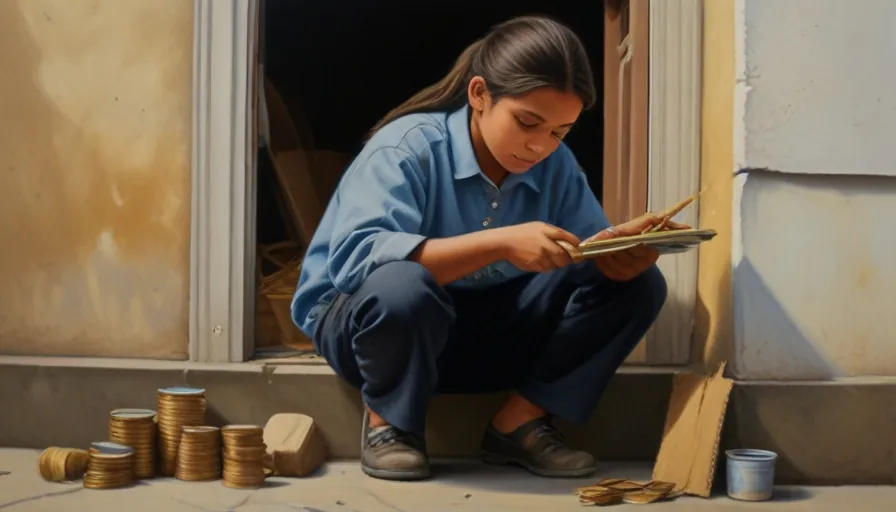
449,259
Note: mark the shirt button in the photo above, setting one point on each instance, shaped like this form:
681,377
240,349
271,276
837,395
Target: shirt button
494,205
486,221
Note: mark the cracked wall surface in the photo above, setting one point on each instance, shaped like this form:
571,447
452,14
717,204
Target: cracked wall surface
95,159
812,242
820,75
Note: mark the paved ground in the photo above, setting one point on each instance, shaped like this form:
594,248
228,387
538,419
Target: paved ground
341,487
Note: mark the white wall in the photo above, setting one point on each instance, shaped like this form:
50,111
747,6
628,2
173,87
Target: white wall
814,235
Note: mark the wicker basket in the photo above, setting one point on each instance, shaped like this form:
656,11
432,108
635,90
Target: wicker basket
278,289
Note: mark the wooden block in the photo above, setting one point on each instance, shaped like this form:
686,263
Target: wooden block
295,445
326,169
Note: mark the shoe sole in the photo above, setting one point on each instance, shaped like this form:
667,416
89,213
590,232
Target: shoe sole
503,460
396,474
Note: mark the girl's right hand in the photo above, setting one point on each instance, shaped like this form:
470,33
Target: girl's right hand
533,246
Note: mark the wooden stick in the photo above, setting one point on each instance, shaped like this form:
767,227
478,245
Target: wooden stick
667,215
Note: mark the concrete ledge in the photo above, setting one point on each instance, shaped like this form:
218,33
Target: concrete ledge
825,433
66,401
832,432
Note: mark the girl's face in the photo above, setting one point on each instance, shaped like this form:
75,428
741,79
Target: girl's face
521,131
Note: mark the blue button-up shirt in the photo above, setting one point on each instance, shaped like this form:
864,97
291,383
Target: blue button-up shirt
418,178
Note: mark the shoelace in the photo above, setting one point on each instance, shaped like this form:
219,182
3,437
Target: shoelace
553,438
390,435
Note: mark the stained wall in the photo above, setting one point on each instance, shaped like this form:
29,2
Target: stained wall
95,104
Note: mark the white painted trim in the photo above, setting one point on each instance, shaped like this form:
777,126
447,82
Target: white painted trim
676,51
223,230
222,258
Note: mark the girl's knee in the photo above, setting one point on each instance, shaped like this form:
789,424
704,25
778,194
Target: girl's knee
405,293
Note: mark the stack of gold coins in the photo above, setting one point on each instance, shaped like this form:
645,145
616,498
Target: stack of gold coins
62,464
136,428
244,456
111,466
199,454
177,408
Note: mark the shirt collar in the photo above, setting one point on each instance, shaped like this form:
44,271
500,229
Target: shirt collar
465,164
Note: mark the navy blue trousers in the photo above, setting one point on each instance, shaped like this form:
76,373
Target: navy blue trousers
556,338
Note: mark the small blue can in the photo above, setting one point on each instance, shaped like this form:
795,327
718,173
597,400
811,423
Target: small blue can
751,474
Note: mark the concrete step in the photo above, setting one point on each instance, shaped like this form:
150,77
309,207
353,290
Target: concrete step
837,432
66,401
825,432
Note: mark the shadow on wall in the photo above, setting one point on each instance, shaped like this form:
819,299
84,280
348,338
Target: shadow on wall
778,341
813,291
94,178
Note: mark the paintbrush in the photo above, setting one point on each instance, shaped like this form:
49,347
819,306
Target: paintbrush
667,215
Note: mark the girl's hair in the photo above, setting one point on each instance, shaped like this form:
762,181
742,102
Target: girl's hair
515,57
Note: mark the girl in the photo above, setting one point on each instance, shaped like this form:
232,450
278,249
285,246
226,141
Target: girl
436,267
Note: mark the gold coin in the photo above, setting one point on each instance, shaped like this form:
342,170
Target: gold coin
242,468
235,485
179,421
237,430
191,414
127,439
188,407
132,414
254,480
244,482
137,428
197,452
255,453
133,443
198,464
186,448
199,477
202,429
132,437
200,443
243,477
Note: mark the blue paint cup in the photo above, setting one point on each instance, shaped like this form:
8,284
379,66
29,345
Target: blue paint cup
751,474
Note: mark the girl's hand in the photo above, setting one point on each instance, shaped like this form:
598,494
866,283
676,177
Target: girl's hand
629,264
533,246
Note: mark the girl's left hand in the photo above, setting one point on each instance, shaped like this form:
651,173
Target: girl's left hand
629,264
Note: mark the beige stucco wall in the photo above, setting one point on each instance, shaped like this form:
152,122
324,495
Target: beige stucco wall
95,104
713,337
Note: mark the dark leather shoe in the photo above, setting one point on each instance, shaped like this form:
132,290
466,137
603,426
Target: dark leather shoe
539,447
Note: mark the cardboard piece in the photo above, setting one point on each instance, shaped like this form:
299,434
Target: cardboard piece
326,169
298,188
689,449
306,176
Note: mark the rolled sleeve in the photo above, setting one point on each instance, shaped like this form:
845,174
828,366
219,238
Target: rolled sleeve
379,218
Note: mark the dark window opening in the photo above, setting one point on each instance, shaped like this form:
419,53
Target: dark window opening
343,65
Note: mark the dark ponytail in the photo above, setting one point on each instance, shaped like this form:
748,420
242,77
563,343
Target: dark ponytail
515,57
